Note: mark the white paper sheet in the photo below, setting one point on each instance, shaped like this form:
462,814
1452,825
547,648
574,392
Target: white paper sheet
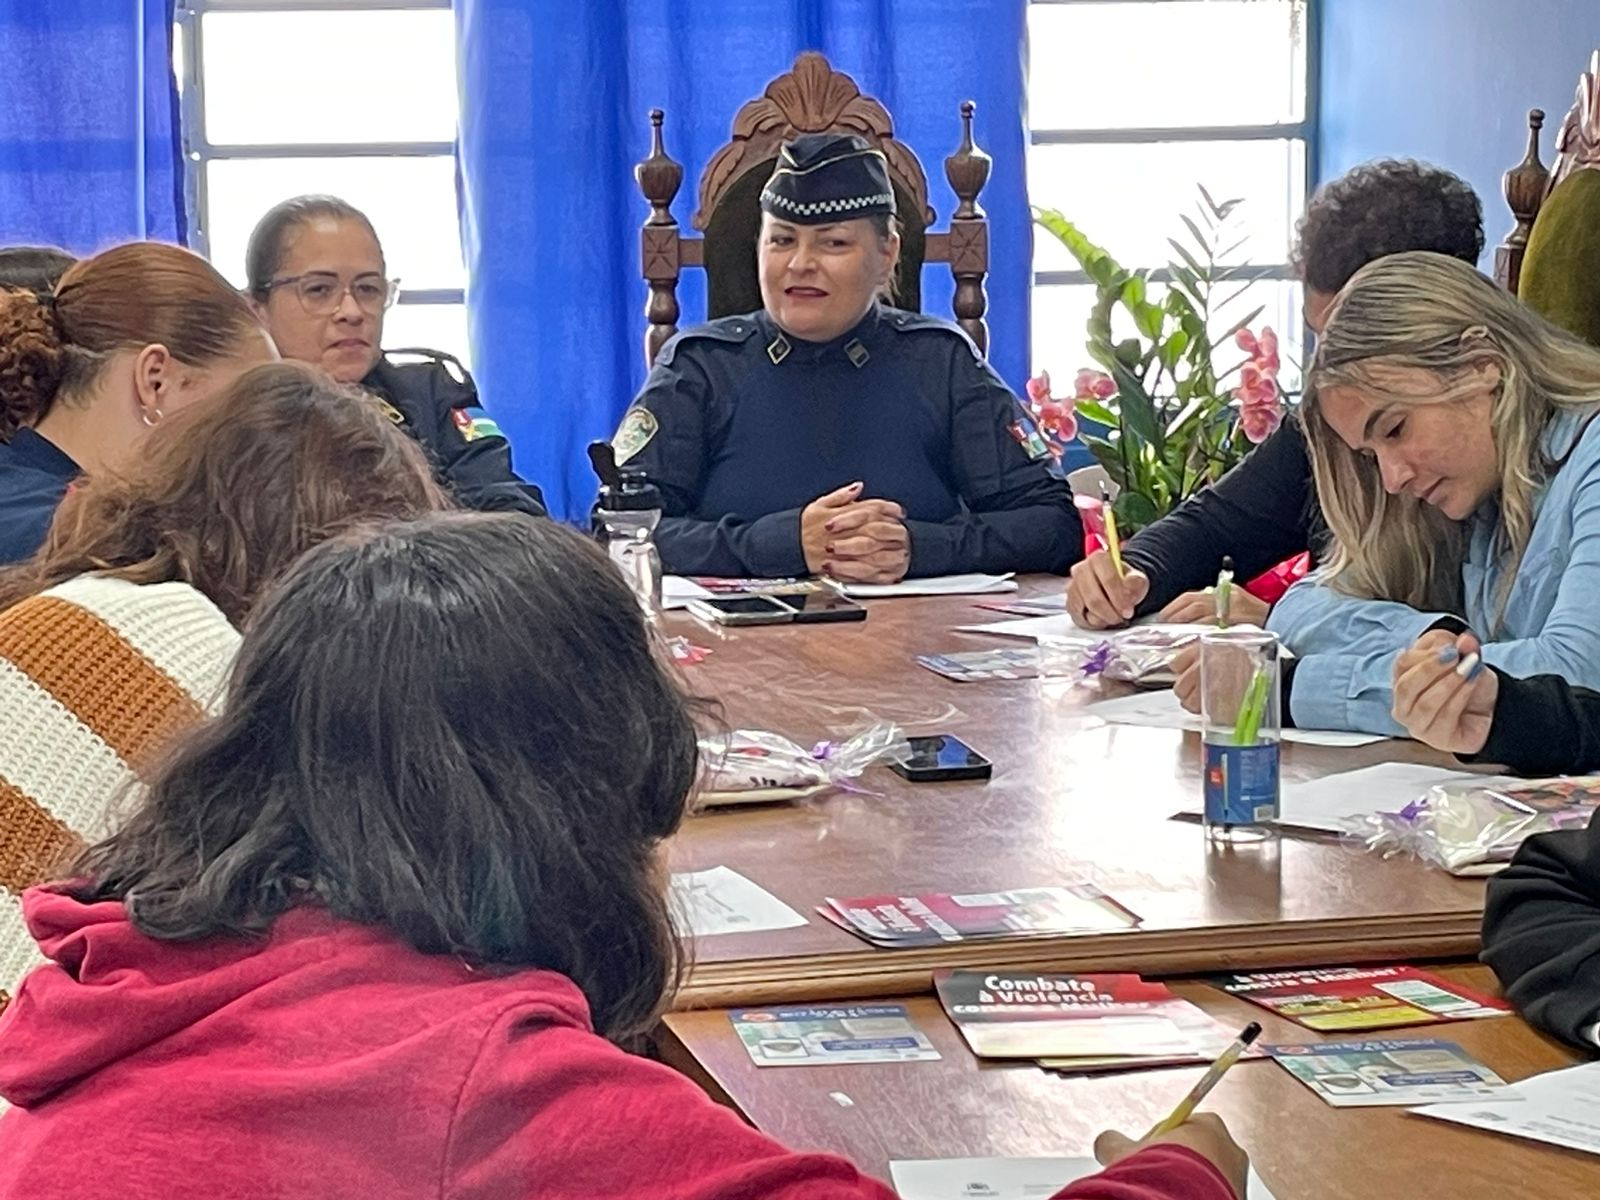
1558,1107
942,585
1161,710
1004,1178
721,900
676,591
1329,802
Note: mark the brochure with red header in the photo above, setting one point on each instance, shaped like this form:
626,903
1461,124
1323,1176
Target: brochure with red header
1335,999
938,917
1078,1022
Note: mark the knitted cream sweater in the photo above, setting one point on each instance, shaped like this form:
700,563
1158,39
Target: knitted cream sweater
96,676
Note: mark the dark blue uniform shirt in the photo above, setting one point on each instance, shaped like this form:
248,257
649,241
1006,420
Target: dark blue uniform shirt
436,402
747,426
34,476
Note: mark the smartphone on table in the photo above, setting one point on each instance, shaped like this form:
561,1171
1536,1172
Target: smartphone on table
941,758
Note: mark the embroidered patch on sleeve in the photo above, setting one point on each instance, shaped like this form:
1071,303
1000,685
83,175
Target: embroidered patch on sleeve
634,434
474,423
1031,440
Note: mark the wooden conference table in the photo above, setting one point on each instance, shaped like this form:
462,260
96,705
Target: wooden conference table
1305,1150
1071,800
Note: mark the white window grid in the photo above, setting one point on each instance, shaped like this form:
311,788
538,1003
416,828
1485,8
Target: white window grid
198,150
1302,133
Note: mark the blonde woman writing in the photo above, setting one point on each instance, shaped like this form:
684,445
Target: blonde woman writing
1457,460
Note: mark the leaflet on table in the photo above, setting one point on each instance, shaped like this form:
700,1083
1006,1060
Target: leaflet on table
1038,606
978,665
937,917
1078,1022
1005,1178
1340,999
1384,1072
1561,1108
829,1034
1161,710
940,585
721,900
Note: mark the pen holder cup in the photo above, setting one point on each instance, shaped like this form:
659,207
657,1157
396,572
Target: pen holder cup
1239,709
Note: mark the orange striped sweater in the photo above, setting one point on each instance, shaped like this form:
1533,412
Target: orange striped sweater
96,676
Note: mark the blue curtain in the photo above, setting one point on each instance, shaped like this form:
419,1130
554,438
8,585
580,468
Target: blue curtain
555,99
89,132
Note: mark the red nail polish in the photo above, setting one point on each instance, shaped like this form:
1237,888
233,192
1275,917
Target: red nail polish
828,528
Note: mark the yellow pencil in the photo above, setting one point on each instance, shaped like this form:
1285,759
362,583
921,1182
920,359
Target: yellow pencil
1189,1103
1113,542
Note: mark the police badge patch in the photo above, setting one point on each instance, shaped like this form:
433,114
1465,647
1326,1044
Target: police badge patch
634,434
1031,440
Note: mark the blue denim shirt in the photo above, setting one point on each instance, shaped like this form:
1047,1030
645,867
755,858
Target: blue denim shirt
1551,622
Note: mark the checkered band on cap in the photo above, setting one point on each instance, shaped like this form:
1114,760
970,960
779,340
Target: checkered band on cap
822,177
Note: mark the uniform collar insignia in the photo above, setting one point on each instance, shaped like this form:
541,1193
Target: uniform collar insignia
856,353
778,349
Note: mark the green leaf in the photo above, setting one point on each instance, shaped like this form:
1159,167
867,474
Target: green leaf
1172,349
1206,196
1109,457
1238,325
1137,409
1189,259
1095,261
1128,353
1093,410
1199,239
1134,510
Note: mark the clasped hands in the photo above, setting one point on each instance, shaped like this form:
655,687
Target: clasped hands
853,540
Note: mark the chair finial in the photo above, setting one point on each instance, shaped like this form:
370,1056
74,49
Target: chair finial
968,168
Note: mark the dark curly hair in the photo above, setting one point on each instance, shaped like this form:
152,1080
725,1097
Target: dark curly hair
1383,207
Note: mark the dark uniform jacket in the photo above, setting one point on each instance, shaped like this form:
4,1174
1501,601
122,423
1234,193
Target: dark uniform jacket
1262,512
34,476
436,402
741,427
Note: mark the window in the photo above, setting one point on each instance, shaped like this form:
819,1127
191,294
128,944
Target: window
356,98
1134,102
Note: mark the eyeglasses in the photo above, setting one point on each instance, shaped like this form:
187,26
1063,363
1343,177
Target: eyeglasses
321,292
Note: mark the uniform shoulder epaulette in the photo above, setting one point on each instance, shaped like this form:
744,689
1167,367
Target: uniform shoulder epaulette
724,329
449,362
902,321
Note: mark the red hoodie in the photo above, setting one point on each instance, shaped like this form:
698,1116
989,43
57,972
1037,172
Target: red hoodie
332,1060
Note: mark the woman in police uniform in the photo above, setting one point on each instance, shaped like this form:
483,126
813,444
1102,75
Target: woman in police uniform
316,273
830,434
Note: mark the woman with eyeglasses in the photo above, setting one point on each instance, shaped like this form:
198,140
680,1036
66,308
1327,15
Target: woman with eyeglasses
317,276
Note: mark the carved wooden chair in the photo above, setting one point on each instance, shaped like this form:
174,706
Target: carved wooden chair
1528,184
810,98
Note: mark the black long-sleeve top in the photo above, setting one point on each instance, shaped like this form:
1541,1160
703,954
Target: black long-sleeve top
1541,925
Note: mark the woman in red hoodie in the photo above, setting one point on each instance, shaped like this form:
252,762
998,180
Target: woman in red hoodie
376,926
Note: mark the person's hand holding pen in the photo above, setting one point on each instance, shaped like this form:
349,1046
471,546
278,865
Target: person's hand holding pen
1443,693
1206,1135
1203,1133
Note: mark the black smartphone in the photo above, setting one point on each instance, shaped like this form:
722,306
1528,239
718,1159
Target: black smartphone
940,759
815,607
742,610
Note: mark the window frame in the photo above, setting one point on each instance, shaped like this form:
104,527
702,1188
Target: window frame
1304,131
199,151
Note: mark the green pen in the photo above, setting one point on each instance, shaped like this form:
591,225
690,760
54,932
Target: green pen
1253,708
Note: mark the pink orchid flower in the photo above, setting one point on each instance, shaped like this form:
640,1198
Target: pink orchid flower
1057,416
1095,385
1039,388
1260,421
1263,351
